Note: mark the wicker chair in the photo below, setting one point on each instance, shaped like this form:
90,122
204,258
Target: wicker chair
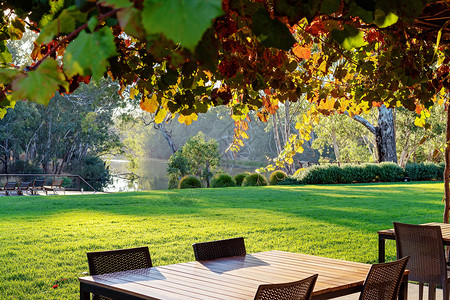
102,262
383,280
297,290
220,248
427,263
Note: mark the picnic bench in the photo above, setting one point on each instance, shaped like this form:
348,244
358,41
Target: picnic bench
55,186
38,185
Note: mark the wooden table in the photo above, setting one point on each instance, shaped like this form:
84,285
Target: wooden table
235,277
389,234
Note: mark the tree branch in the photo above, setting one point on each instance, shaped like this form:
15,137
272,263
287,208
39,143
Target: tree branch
364,122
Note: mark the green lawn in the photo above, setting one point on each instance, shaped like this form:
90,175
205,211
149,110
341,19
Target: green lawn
44,240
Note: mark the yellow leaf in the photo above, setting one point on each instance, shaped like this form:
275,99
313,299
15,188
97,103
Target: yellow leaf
149,104
133,93
160,116
419,122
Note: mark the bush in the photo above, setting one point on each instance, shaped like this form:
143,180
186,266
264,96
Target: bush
189,182
391,172
322,174
357,174
94,171
222,180
239,178
276,177
66,181
289,181
424,171
254,179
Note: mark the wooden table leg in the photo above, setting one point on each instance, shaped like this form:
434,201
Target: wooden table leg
381,248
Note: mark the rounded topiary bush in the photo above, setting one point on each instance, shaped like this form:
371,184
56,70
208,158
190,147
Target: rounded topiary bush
254,179
277,176
239,178
222,180
189,182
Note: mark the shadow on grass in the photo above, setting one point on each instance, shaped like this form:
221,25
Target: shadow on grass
368,207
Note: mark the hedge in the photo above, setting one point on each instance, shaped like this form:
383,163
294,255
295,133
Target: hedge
382,172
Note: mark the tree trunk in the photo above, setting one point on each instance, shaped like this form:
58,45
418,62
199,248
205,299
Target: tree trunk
167,135
385,134
276,134
447,168
335,145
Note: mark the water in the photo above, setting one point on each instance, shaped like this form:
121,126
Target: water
152,175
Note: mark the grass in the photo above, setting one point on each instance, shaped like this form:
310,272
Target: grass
44,240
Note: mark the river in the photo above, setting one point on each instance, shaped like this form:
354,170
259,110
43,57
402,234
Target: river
152,175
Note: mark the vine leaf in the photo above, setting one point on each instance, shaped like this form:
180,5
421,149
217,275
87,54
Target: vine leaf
383,20
5,56
349,38
65,23
130,20
118,3
89,53
271,32
39,85
183,21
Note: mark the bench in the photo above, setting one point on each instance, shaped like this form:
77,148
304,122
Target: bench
9,187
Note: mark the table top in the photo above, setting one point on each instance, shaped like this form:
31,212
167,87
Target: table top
235,277
445,228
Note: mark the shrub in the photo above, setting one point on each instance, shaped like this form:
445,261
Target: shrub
254,179
276,177
239,178
424,171
391,172
66,181
289,181
94,171
322,174
189,182
357,174
222,180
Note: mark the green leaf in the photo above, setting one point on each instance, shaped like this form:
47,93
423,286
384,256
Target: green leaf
131,22
382,20
89,53
183,21
92,23
357,11
8,75
349,38
329,6
65,23
118,3
39,85
5,56
271,32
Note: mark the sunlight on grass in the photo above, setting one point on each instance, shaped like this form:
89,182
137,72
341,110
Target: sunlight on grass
45,239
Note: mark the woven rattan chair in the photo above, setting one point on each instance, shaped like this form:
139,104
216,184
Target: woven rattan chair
102,262
427,263
383,280
297,290
220,248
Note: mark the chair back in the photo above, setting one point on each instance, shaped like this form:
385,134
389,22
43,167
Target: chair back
24,185
297,290
57,182
220,248
424,245
39,183
10,185
102,262
383,280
